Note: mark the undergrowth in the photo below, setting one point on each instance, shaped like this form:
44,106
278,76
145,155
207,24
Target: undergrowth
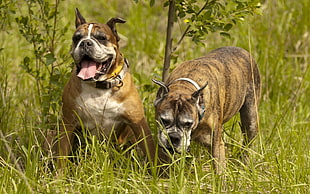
279,158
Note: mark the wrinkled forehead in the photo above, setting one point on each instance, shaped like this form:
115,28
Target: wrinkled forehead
90,29
177,106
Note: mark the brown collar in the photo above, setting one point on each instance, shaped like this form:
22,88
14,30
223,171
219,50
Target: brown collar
116,81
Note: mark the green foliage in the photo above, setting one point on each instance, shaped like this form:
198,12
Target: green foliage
39,26
279,159
207,16
7,11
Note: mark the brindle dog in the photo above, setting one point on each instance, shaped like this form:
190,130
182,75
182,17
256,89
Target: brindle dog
200,95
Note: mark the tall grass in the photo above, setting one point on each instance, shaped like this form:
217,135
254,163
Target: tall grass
279,158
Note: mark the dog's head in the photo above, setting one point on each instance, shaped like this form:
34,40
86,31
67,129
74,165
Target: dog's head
95,48
178,113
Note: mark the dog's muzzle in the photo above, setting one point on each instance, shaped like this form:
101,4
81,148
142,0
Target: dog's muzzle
174,142
91,65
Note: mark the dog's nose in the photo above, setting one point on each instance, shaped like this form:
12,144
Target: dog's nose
86,43
175,138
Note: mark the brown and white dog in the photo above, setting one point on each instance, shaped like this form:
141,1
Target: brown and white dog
100,94
202,94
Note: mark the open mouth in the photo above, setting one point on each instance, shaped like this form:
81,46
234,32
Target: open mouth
89,69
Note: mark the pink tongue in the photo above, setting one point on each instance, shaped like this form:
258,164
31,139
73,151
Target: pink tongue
88,70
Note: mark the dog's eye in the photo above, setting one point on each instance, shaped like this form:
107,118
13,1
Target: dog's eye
101,37
187,124
165,121
77,37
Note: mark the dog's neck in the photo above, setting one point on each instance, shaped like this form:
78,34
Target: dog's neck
117,68
116,76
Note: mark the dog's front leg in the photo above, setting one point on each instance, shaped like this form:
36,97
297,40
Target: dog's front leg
144,136
64,143
218,149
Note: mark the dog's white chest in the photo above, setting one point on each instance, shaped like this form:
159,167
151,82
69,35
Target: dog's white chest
98,112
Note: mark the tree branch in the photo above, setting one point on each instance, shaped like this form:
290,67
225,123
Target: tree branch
188,27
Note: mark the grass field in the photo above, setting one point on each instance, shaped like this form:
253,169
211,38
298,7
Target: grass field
279,40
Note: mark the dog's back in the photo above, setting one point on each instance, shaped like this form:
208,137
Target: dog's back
230,71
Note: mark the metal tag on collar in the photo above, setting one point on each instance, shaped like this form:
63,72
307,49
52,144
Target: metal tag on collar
120,81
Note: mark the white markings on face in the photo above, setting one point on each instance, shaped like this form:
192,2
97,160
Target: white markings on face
88,37
90,27
186,139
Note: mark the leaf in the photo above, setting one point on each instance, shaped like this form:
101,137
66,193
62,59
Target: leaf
166,4
152,2
181,14
49,59
26,61
227,27
26,65
225,34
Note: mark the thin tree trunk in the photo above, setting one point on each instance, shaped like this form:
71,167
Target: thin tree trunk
168,48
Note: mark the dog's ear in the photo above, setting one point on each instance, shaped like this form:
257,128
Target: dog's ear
162,91
197,97
111,23
79,19
196,94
